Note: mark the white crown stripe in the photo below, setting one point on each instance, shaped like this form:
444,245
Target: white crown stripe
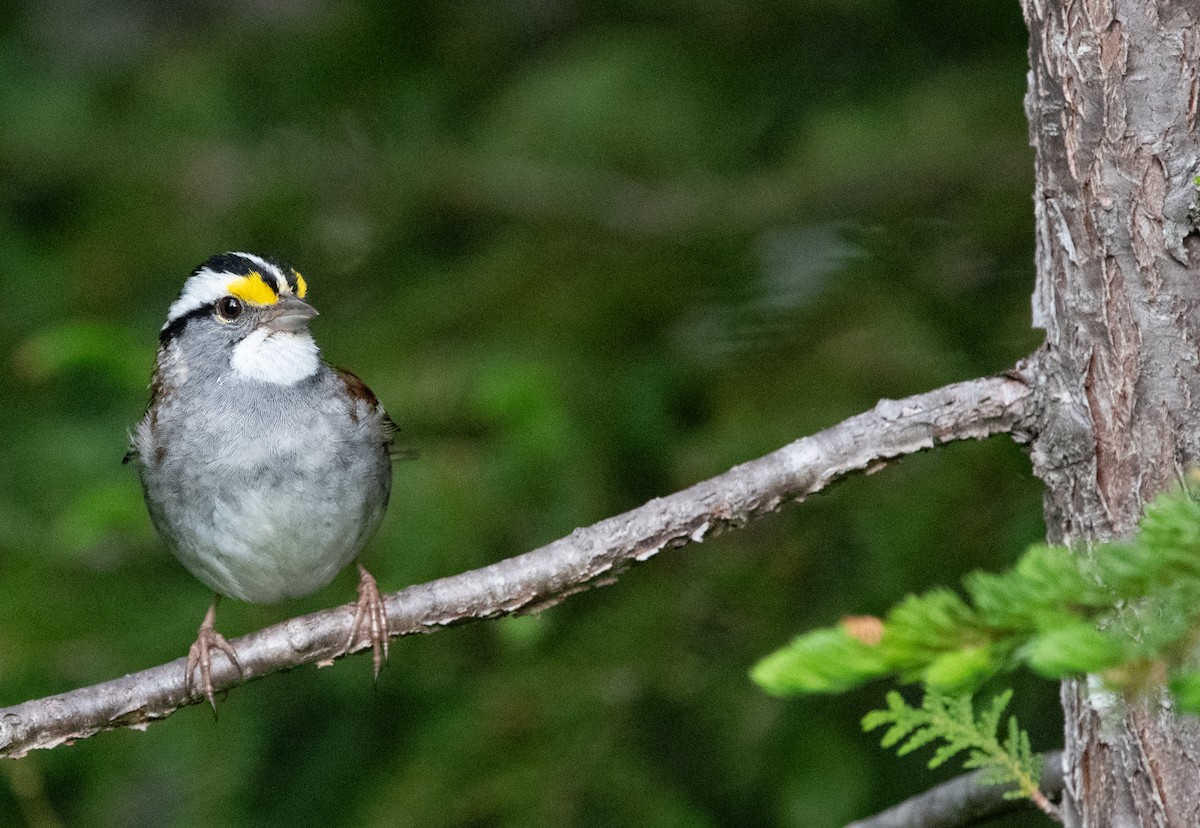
259,261
203,288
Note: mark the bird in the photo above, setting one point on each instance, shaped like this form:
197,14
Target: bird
264,469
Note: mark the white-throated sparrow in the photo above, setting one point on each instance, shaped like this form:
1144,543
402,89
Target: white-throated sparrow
264,469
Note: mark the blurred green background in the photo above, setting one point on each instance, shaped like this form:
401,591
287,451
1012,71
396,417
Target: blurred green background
586,254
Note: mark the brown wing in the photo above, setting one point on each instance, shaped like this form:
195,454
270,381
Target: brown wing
358,390
157,393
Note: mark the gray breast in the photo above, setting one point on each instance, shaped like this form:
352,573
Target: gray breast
264,492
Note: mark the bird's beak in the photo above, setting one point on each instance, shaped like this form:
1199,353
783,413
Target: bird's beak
288,315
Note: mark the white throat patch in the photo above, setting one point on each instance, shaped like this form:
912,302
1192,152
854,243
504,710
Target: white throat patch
278,357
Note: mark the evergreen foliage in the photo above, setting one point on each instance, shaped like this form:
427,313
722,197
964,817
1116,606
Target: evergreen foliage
1128,612
953,720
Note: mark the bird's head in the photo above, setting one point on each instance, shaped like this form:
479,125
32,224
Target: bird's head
247,314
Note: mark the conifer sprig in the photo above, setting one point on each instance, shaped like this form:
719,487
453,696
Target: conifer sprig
954,721
1128,612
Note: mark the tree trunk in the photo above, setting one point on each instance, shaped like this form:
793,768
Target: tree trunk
1112,107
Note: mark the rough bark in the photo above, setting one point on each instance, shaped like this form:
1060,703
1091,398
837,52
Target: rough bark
586,558
1112,106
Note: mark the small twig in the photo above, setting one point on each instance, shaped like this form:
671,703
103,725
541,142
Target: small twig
535,580
1044,803
965,801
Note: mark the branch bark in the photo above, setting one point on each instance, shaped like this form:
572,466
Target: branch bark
586,558
964,800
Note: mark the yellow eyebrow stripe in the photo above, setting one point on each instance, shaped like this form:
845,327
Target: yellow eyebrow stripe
251,288
301,285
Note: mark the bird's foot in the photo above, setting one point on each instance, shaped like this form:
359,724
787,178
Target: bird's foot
370,619
200,655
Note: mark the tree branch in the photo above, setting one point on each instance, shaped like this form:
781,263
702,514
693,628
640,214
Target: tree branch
963,801
586,558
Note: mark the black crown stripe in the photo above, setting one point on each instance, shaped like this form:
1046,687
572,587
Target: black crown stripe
228,263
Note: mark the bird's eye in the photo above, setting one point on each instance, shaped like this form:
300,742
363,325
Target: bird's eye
229,307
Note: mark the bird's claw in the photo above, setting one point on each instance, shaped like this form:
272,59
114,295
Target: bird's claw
200,655
370,619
